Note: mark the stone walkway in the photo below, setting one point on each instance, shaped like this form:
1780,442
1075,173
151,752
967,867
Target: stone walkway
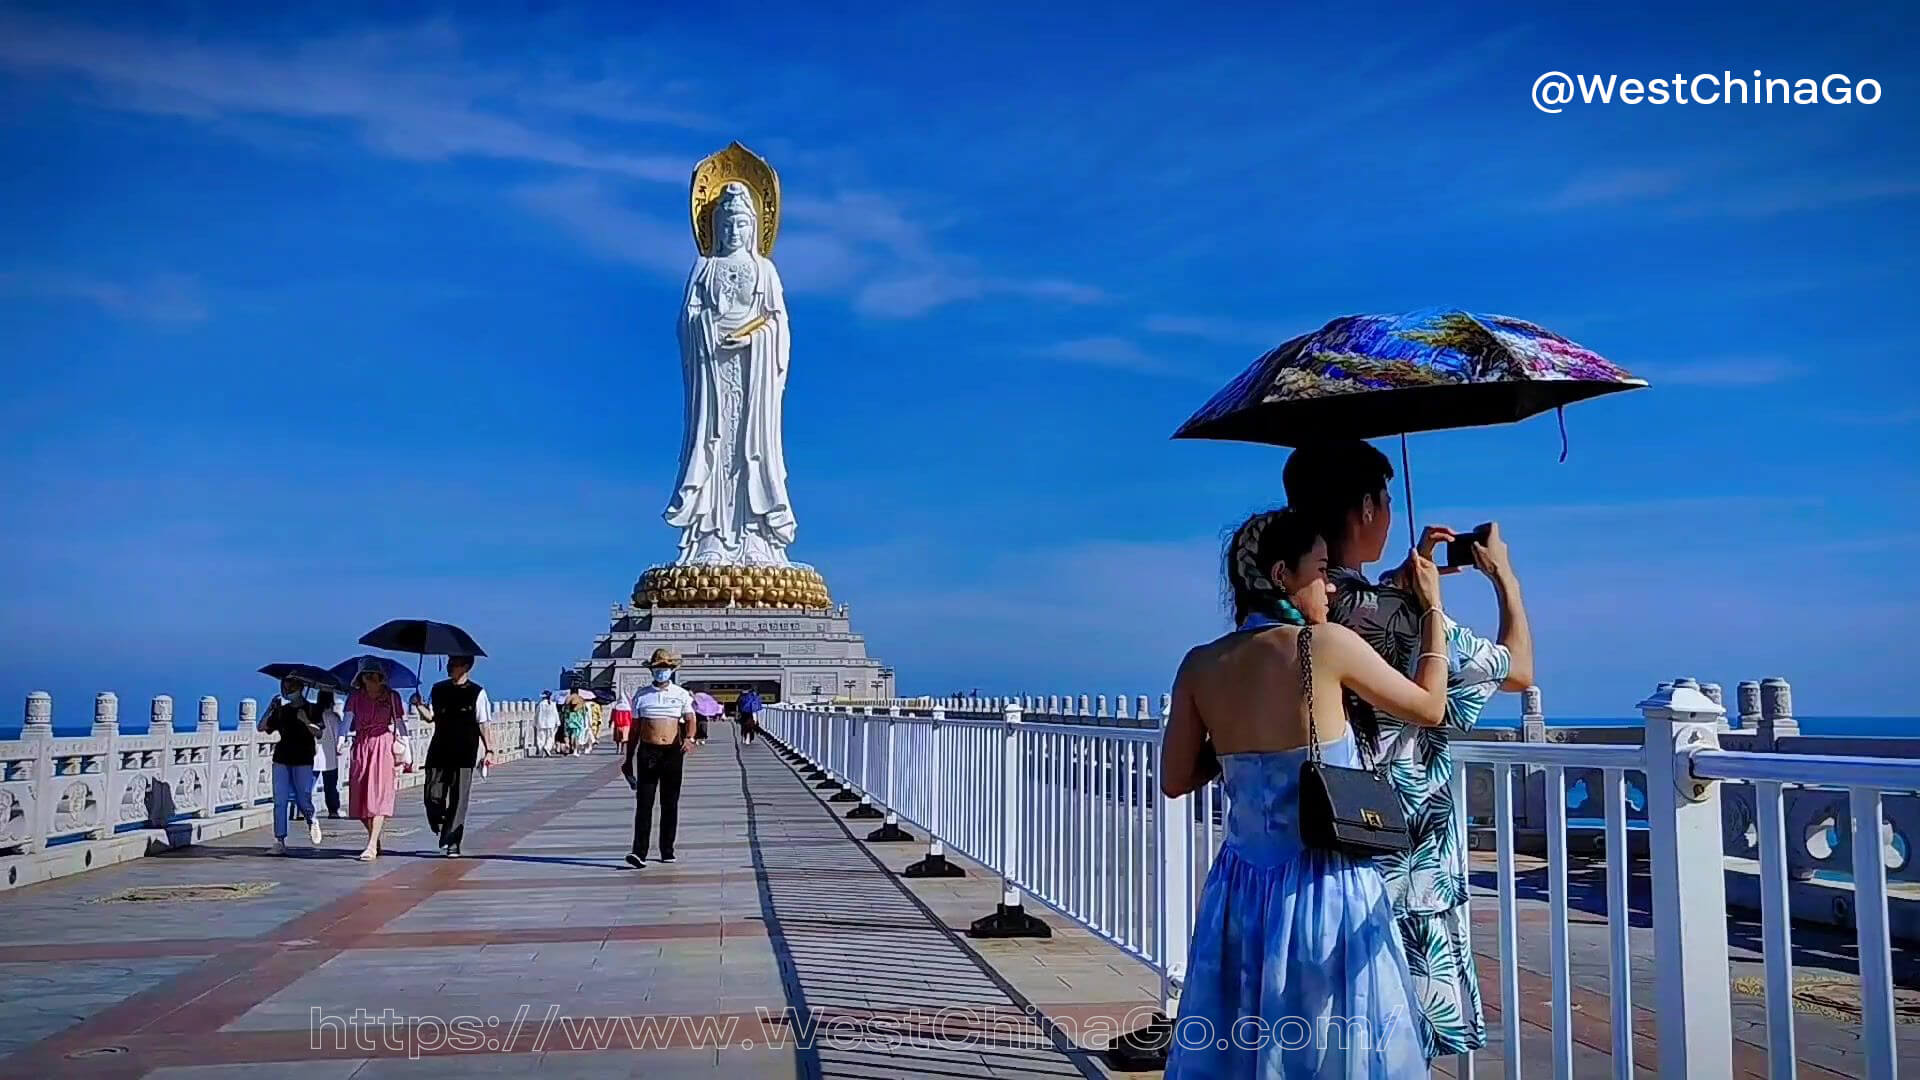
542,954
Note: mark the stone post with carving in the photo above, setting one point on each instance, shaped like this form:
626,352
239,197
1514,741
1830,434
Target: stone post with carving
160,737
206,753
254,787
36,730
1533,778
106,735
1776,713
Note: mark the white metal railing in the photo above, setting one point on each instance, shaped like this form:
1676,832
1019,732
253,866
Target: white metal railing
61,789
1069,812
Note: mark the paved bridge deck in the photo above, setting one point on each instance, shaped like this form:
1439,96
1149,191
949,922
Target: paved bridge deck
541,953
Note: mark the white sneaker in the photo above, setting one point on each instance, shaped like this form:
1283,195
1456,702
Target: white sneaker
313,831
279,847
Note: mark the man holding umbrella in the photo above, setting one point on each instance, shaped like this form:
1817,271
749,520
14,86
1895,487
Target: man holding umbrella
460,713
663,727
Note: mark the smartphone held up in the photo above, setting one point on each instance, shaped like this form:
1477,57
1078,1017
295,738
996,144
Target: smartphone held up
1460,548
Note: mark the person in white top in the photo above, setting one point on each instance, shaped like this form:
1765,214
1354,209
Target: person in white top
546,724
331,742
663,726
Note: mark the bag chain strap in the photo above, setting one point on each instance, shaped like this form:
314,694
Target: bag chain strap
1306,690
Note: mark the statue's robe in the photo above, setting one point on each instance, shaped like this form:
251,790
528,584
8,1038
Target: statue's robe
731,502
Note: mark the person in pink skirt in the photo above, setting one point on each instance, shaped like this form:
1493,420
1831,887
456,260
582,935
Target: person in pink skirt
377,719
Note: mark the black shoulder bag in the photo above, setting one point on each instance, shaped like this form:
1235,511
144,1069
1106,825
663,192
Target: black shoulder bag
1352,811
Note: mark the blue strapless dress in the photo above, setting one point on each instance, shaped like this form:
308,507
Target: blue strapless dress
1296,969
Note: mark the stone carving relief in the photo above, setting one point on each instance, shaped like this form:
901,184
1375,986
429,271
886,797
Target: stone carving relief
133,800
77,810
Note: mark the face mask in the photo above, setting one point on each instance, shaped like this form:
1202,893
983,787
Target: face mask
661,675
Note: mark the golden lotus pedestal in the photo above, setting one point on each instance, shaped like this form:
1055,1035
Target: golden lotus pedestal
768,587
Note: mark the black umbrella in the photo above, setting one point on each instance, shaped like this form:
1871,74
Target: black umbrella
1364,376
423,638
317,677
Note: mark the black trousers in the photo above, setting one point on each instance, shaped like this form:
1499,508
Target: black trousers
447,791
330,786
656,771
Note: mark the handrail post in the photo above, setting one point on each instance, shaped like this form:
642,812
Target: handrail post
855,784
1145,1048
889,831
1010,918
935,863
866,810
828,779
1692,998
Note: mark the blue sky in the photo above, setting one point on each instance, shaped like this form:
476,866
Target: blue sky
324,316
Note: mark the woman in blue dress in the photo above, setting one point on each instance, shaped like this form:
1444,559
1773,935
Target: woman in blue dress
1296,968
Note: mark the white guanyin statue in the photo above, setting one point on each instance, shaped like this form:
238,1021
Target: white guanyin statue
731,502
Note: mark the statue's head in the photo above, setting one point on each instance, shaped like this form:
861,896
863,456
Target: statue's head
733,219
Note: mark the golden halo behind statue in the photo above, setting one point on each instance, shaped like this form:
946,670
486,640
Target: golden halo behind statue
736,162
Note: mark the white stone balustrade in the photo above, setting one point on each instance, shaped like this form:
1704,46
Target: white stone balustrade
57,790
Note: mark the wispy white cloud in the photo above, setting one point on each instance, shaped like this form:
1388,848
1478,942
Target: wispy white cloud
866,247
1121,354
1867,418
1262,335
417,94
1732,371
592,210
1802,196
165,299
1718,189
1613,187
409,93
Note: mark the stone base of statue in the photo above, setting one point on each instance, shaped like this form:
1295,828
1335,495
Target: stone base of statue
773,630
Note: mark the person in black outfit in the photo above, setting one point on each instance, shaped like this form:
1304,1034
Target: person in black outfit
460,713
293,718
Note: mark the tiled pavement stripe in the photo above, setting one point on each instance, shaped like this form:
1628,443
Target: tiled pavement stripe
250,970
941,973
615,877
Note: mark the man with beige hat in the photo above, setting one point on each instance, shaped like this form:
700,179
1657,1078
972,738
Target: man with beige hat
663,728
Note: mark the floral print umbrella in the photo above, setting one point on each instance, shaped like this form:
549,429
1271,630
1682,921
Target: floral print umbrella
1364,376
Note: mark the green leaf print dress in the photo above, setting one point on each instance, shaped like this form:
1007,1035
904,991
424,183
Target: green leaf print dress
1428,883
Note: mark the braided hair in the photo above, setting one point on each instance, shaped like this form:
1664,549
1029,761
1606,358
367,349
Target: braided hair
1268,538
